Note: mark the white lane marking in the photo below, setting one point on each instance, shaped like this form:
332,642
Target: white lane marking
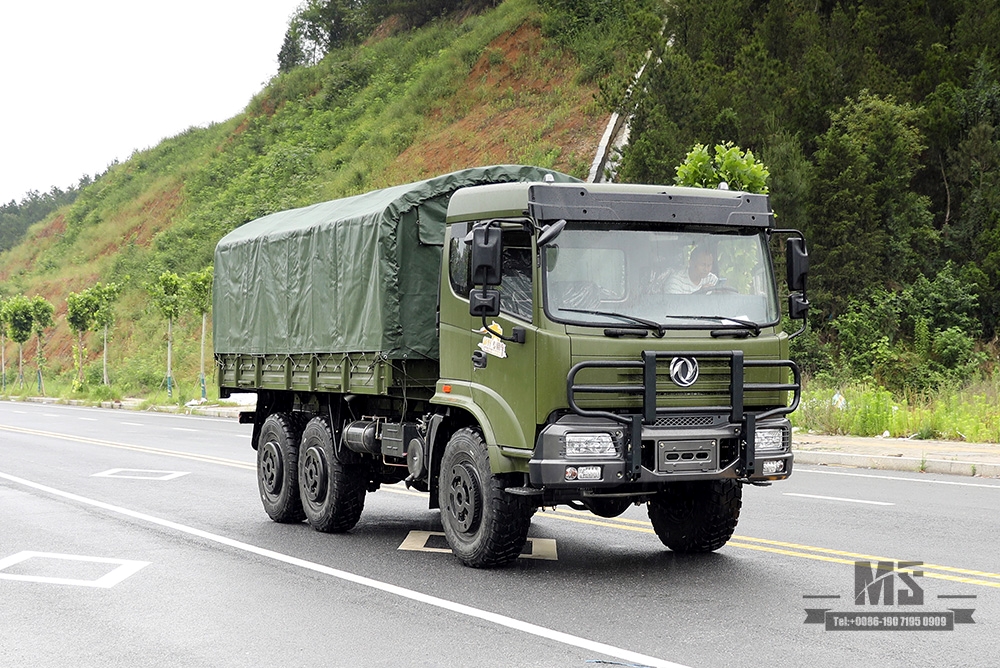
140,474
183,429
89,419
895,477
419,597
837,498
52,415
123,569
137,448
134,424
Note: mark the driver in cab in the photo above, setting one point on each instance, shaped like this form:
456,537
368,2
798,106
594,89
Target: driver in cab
698,277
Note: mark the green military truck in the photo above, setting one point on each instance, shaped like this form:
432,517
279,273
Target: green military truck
508,338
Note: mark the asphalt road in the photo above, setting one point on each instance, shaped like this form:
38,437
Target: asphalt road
137,539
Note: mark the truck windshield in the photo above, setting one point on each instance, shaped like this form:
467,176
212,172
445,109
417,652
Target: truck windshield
612,276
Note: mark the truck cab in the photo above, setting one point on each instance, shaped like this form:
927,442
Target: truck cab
621,344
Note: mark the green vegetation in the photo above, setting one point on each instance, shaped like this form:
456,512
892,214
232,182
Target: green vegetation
961,412
739,170
16,218
196,293
21,317
165,293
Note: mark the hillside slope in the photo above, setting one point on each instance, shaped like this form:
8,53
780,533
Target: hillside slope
472,90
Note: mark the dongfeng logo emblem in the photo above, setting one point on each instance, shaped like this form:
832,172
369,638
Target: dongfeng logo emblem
684,371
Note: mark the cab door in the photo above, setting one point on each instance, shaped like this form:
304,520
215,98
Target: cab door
495,378
503,371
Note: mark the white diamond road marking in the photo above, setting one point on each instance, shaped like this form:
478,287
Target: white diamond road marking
124,569
140,474
541,548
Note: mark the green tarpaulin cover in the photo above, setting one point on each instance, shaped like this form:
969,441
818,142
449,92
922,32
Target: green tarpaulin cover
358,274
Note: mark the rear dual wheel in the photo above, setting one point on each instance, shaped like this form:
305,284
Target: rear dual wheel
277,467
331,489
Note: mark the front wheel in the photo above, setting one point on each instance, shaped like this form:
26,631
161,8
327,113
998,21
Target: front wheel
332,491
698,516
485,526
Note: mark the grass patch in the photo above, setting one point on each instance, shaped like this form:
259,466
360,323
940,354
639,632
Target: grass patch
963,413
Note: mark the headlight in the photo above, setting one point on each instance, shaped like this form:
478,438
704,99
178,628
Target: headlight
769,440
590,445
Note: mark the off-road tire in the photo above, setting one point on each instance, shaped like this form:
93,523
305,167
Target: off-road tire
485,526
698,516
332,491
277,467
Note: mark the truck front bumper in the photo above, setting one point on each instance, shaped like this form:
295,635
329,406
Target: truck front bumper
710,451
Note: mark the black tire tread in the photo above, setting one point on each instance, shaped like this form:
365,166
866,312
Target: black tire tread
695,517
504,527
347,486
289,426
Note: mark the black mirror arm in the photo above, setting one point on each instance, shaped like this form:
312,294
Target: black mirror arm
798,307
517,334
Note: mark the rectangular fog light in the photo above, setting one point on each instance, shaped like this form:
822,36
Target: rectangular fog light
590,445
773,467
769,440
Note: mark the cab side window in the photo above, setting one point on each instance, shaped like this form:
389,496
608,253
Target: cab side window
516,264
459,260
515,287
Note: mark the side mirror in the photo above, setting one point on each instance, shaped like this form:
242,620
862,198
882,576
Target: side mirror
486,256
796,263
798,306
550,232
484,303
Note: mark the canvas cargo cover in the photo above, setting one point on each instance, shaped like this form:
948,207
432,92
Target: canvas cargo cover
358,274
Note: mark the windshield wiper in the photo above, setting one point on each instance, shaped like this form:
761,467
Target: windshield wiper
657,329
723,319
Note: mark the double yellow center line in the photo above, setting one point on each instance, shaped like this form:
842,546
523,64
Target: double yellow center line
936,571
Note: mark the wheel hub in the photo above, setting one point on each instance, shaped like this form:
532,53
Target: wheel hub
314,474
464,497
270,467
